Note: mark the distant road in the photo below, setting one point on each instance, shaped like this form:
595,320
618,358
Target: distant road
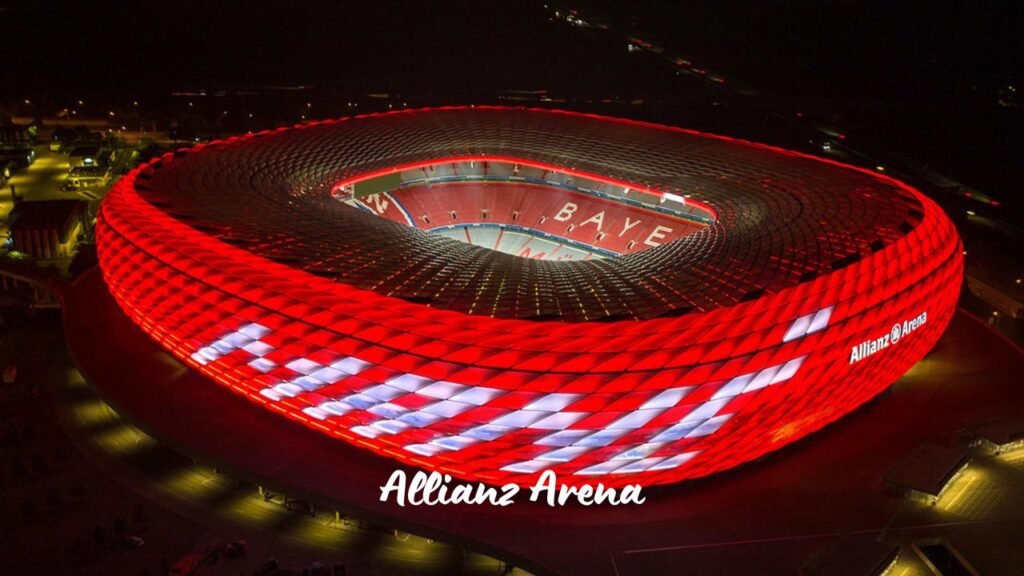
41,181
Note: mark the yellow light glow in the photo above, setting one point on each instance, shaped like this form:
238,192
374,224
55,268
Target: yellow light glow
94,412
124,439
196,481
255,510
327,535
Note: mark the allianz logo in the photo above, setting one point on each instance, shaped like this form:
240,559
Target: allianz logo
898,332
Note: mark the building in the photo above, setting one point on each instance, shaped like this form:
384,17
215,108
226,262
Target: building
47,230
16,148
86,176
84,155
723,298
16,137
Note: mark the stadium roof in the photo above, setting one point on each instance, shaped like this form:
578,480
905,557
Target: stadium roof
783,218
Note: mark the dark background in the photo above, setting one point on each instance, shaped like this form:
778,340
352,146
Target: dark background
913,78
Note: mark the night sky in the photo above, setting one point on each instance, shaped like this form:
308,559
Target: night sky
919,77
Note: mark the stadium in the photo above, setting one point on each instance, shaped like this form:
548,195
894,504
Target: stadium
495,292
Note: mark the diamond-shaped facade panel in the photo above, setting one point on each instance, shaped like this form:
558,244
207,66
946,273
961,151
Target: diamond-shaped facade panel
810,290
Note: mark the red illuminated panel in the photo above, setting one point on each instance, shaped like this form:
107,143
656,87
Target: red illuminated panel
665,395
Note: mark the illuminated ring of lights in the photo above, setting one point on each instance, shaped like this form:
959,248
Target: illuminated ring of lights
662,365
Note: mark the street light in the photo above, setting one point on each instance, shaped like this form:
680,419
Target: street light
994,321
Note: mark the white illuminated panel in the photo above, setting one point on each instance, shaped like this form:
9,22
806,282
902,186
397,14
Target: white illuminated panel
545,414
809,324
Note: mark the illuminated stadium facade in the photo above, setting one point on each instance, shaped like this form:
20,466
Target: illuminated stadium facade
630,303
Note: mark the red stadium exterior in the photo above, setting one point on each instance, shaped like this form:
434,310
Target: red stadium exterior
752,345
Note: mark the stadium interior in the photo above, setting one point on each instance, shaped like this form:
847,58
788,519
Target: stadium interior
527,210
